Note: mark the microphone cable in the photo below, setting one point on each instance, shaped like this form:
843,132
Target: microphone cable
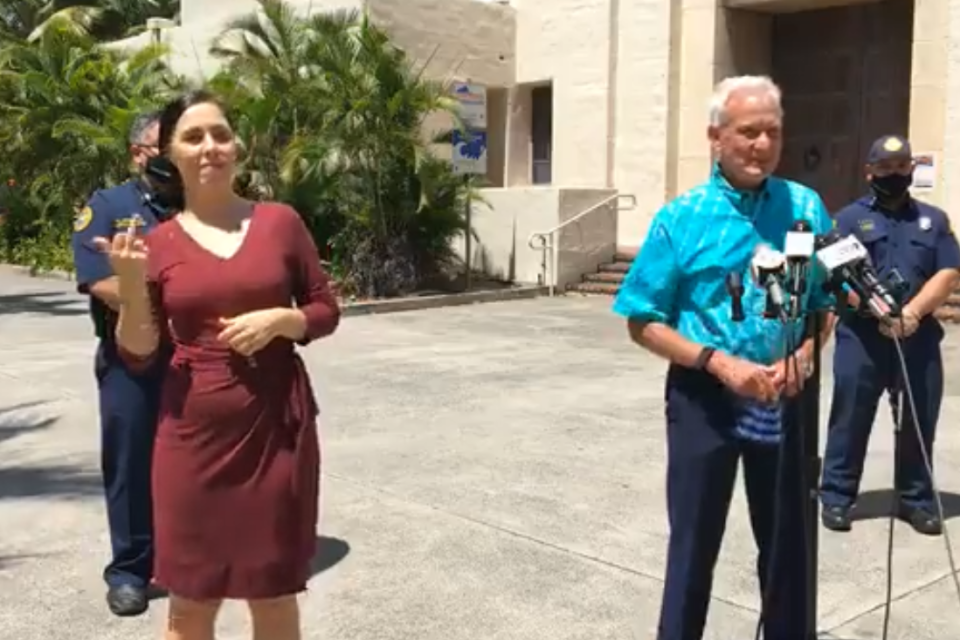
906,392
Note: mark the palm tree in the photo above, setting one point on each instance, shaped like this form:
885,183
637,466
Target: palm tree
65,107
104,20
333,114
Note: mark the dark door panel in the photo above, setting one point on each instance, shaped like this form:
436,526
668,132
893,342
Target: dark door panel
845,75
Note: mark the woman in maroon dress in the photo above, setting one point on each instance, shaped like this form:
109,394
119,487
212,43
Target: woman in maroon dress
232,286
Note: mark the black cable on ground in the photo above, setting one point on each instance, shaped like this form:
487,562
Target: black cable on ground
906,391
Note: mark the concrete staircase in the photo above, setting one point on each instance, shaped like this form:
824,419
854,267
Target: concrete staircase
607,279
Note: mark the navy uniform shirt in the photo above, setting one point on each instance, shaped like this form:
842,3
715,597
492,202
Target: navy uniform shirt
107,212
915,242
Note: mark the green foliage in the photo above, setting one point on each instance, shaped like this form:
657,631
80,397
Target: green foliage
65,108
103,20
332,114
329,112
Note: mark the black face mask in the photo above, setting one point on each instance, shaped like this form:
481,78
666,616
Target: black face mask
160,171
164,182
891,187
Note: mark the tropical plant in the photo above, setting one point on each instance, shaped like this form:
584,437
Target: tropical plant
103,20
329,112
65,108
333,117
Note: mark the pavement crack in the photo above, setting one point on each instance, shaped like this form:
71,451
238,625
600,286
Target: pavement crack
523,536
896,598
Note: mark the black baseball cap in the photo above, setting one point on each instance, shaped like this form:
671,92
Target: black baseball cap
889,148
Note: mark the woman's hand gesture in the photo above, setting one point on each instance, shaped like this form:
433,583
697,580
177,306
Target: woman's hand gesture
127,253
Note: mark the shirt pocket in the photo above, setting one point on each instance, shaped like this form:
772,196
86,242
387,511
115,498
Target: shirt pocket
922,254
877,242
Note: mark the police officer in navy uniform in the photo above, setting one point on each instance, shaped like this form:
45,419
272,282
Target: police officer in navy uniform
128,402
913,248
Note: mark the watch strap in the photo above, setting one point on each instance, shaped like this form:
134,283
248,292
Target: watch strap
704,358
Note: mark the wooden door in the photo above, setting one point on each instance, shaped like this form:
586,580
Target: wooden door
845,75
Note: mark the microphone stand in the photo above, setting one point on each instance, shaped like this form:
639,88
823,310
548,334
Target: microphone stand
809,423
807,415
807,412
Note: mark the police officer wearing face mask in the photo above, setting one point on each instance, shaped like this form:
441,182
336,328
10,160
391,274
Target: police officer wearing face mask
913,248
128,401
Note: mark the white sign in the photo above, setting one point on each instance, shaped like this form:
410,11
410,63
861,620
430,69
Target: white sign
470,147
473,104
925,171
470,152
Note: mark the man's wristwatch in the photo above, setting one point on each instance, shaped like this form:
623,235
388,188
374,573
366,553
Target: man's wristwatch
704,358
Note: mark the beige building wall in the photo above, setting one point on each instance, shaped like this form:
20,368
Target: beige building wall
631,81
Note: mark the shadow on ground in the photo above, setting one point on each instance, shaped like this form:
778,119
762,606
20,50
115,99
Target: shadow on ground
13,424
330,552
881,503
8,561
53,303
31,481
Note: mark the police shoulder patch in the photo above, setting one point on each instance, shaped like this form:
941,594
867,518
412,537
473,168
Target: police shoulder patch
82,219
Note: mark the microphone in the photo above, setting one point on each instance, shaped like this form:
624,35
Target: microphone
848,262
735,291
768,268
798,248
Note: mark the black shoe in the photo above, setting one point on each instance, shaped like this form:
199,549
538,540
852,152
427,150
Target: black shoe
836,518
127,600
156,593
922,520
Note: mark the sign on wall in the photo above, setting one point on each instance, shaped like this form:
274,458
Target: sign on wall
925,171
470,147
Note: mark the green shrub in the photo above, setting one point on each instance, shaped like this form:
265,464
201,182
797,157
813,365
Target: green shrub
330,114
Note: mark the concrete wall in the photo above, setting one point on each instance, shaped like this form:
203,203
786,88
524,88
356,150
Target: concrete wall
609,63
631,81
507,219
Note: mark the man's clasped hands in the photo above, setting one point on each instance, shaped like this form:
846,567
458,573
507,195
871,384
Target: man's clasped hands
764,383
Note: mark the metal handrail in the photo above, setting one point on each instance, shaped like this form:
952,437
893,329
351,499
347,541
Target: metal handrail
547,239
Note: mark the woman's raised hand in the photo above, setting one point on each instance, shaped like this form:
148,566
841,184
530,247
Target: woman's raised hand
127,253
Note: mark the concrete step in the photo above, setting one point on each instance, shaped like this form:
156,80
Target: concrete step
618,267
594,288
615,277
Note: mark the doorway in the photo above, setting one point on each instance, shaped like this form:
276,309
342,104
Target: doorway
845,75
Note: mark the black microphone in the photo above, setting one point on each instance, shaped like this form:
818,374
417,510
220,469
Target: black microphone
798,249
768,269
848,262
735,291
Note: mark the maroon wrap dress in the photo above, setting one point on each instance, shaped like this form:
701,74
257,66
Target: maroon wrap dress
236,464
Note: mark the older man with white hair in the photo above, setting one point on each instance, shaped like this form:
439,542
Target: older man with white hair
726,377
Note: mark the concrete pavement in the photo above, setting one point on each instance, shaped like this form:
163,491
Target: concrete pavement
493,472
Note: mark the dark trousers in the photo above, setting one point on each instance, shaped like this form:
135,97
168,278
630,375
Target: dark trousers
128,422
865,364
703,456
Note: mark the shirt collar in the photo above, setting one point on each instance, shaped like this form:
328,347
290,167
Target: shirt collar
908,208
743,200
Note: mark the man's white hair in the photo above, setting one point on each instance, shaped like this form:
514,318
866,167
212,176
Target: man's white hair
729,86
